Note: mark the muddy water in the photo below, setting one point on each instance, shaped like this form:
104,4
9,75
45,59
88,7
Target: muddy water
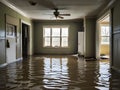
59,73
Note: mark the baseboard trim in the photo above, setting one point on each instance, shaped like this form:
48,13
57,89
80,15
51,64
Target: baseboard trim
19,59
5,64
116,69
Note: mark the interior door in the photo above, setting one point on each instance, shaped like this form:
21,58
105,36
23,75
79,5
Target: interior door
10,43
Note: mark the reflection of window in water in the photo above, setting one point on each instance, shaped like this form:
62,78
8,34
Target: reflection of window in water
55,64
55,72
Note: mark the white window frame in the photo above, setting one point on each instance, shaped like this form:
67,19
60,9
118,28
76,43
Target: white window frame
55,26
103,43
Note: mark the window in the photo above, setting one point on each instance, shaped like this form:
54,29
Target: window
55,36
105,34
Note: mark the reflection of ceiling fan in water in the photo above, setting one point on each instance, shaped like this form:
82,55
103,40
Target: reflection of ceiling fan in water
49,4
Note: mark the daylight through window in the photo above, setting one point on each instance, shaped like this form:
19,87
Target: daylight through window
55,36
105,34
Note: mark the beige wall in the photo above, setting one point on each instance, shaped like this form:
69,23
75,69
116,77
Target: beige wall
104,49
116,35
13,15
74,27
90,25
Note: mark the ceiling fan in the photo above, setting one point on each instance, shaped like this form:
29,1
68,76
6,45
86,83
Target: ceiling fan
58,15
49,4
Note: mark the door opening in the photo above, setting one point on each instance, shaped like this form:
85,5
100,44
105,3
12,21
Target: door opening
104,37
25,40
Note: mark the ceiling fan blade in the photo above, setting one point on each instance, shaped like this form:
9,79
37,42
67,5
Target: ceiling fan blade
47,3
64,14
60,17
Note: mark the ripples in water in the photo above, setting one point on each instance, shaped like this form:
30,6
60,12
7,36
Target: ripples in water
58,73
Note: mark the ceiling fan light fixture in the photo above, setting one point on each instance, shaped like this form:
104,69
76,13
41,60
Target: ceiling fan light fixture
33,3
56,13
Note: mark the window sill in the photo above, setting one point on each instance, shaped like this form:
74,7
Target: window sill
104,44
56,47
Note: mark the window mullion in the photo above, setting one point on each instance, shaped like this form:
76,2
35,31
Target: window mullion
60,37
51,37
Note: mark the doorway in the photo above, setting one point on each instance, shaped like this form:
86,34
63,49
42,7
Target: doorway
104,37
25,40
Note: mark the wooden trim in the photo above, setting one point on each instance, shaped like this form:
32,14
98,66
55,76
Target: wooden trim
14,8
3,65
116,31
116,69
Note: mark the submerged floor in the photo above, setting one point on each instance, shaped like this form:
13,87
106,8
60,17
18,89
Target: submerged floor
59,73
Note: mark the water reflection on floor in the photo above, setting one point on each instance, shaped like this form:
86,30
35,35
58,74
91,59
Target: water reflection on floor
59,73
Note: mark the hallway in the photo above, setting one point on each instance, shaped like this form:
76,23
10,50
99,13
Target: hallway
56,72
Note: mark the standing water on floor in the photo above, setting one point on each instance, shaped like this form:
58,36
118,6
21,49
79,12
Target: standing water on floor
59,73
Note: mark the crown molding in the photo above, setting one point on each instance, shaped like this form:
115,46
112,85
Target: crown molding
5,2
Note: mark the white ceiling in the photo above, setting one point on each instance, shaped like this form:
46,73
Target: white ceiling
43,10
